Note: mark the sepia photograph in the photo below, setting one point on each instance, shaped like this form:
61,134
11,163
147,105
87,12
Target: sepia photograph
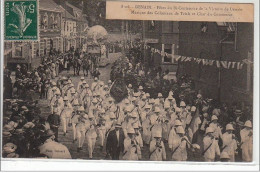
78,84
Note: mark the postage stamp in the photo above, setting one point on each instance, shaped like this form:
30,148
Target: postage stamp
21,20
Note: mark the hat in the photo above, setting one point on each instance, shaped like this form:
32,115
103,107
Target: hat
82,78
177,123
157,109
151,101
170,93
248,124
216,112
69,81
130,130
73,91
147,95
224,155
109,81
144,97
112,115
136,95
129,85
147,106
160,95
135,126
214,117
180,130
193,109
182,104
94,100
57,93
140,88
87,85
157,134
134,114
24,108
170,97
84,81
29,125
76,102
209,130
66,98
229,127
177,109
81,108
96,79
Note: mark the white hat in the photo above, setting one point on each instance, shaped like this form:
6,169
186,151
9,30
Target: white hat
180,130
131,130
209,130
96,79
151,101
147,106
229,127
160,95
57,93
112,115
224,155
216,112
144,97
157,109
129,85
157,134
134,114
199,96
140,88
214,117
177,123
109,81
87,85
170,97
82,78
84,81
66,98
147,95
182,104
193,109
177,109
81,108
248,124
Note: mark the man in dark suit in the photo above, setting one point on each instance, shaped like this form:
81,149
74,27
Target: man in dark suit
115,142
54,121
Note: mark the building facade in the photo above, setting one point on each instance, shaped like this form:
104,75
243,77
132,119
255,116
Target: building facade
164,36
222,42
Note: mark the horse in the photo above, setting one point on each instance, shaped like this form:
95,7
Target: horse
76,65
86,63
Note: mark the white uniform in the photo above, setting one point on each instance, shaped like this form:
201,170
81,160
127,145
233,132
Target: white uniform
66,114
229,145
247,145
156,153
91,136
132,150
210,149
179,151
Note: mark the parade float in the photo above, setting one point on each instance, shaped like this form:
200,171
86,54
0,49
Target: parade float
96,45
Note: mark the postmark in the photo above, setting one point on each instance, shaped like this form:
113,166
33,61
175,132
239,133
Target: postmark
21,20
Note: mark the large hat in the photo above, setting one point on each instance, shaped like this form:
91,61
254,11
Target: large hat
182,104
214,117
193,109
248,124
224,155
158,134
112,115
157,110
81,108
177,123
209,130
180,130
66,98
229,127
130,130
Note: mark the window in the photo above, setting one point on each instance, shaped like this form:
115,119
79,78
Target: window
169,49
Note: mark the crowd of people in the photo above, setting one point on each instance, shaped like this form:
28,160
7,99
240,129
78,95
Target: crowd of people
168,119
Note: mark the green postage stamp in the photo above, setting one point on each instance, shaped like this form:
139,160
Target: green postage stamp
21,20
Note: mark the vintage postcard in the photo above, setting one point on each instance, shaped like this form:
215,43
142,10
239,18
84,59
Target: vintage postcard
129,80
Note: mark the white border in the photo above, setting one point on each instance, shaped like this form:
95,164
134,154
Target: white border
86,165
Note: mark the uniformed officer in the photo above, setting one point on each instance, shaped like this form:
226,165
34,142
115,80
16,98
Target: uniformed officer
66,114
54,121
229,142
210,146
132,150
91,136
157,148
246,135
